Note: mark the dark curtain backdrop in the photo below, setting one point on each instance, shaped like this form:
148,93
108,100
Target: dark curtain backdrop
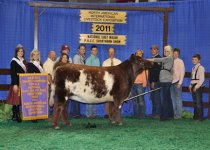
188,30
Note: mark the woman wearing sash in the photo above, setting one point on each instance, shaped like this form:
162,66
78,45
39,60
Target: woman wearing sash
17,65
35,65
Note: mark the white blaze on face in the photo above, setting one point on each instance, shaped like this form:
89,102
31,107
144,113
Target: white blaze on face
84,93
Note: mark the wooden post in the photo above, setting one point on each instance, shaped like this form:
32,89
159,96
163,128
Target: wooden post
36,18
209,101
165,30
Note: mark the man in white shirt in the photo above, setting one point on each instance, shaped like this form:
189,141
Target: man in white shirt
48,68
111,61
176,87
49,63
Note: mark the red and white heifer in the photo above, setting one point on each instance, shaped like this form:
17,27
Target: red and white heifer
88,84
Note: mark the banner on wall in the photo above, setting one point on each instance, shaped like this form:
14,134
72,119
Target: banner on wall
103,16
34,96
103,27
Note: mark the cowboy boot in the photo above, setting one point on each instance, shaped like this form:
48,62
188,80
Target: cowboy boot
18,114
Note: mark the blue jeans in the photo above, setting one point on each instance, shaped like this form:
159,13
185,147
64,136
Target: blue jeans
155,97
90,110
176,96
198,103
75,108
166,111
138,102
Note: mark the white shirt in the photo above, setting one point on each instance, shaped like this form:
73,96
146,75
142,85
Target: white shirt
107,62
48,66
178,71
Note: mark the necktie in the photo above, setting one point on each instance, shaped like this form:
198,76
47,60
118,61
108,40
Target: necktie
112,63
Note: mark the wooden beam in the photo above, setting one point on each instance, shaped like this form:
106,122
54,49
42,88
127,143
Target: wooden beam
4,71
97,7
209,102
186,89
36,19
190,104
165,30
4,87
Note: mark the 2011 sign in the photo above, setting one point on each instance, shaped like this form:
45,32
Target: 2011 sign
103,28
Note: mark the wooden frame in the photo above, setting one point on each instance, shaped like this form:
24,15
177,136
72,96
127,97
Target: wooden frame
36,5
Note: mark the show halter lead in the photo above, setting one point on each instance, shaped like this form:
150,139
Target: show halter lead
140,95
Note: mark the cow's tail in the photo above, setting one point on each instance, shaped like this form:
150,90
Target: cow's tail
52,94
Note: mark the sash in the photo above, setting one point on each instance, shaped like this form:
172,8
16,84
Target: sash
20,63
38,66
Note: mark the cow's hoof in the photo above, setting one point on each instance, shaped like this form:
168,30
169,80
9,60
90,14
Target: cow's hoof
68,124
112,122
120,124
57,128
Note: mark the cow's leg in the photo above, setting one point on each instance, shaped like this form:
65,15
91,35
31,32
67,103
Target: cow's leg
56,115
64,113
111,112
117,109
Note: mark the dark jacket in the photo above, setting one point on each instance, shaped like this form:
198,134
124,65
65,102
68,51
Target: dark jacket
32,68
154,72
15,69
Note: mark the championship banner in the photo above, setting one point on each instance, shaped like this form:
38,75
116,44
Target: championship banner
34,95
103,16
103,27
103,39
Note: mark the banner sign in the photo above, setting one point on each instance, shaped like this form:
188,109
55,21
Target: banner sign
103,28
103,39
34,96
102,16
100,30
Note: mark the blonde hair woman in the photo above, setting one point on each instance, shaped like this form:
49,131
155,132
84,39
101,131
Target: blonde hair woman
35,65
166,107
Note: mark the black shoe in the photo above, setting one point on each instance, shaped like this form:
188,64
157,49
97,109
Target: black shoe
88,126
34,121
195,118
14,113
106,116
77,116
93,125
19,120
165,119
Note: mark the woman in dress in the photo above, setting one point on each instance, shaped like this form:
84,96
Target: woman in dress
17,66
35,65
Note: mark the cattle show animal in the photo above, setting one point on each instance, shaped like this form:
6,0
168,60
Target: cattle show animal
94,85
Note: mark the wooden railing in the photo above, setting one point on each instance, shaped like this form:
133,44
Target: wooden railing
4,87
188,103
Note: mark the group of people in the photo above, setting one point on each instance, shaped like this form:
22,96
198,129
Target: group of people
167,74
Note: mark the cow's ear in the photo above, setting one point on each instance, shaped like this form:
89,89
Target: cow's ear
132,57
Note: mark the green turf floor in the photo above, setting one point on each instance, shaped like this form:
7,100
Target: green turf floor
146,134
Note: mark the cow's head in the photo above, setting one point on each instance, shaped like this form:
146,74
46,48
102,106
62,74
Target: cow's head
139,64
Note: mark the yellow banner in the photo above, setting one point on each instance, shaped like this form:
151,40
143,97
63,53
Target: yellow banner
103,28
103,39
103,16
